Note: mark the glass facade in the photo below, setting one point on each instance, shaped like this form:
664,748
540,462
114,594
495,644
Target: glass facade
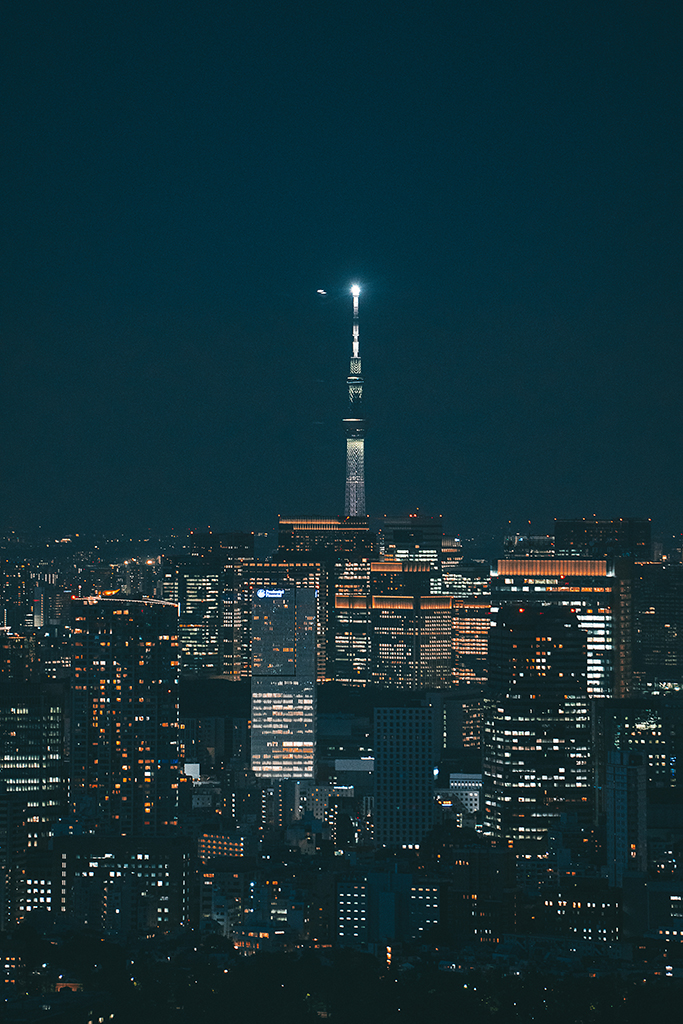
283,697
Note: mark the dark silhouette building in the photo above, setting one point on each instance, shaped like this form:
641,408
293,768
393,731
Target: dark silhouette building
657,626
405,752
603,538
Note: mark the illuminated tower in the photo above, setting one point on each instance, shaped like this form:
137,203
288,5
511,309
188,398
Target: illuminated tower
354,425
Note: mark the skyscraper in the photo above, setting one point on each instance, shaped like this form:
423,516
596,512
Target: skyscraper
588,587
536,730
31,772
124,715
410,627
283,651
345,547
412,538
626,812
199,592
603,538
405,750
657,627
354,425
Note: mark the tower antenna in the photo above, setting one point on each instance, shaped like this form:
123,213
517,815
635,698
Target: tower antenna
354,425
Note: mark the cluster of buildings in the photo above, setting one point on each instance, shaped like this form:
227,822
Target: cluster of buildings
358,737
364,723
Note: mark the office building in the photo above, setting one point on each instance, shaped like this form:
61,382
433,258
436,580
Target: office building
593,592
205,584
650,726
31,737
406,746
199,593
345,547
603,538
124,715
414,538
16,595
411,628
283,686
222,547
122,886
32,776
625,803
471,623
536,725
657,627
386,908
351,619
324,539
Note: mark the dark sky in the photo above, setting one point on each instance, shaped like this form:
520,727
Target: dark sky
178,179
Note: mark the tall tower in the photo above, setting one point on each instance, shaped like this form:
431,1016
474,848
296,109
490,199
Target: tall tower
354,425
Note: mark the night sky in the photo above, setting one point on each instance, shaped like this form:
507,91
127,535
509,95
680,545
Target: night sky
178,180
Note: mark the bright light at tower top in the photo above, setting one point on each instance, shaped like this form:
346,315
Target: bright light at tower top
355,290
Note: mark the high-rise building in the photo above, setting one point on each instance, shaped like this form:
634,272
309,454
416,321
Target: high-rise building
32,775
199,592
254,576
124,715
354,426
345,547
406,744
626,815
411,628
412,538
324,539
13,852
222,547
603,538
536,727
657,627
206,586
587,587
651,726
283,687
16,594
471,624
411,641
470,585
351,618
31,737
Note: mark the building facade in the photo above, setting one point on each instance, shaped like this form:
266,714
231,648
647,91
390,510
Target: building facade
283,687
536,724
592,591
405,749
124,761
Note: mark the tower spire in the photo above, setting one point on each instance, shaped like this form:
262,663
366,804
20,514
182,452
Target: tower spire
354,425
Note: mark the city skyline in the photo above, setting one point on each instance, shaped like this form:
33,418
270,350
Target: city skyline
188,202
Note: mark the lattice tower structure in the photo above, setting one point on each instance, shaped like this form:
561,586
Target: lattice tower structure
354,426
